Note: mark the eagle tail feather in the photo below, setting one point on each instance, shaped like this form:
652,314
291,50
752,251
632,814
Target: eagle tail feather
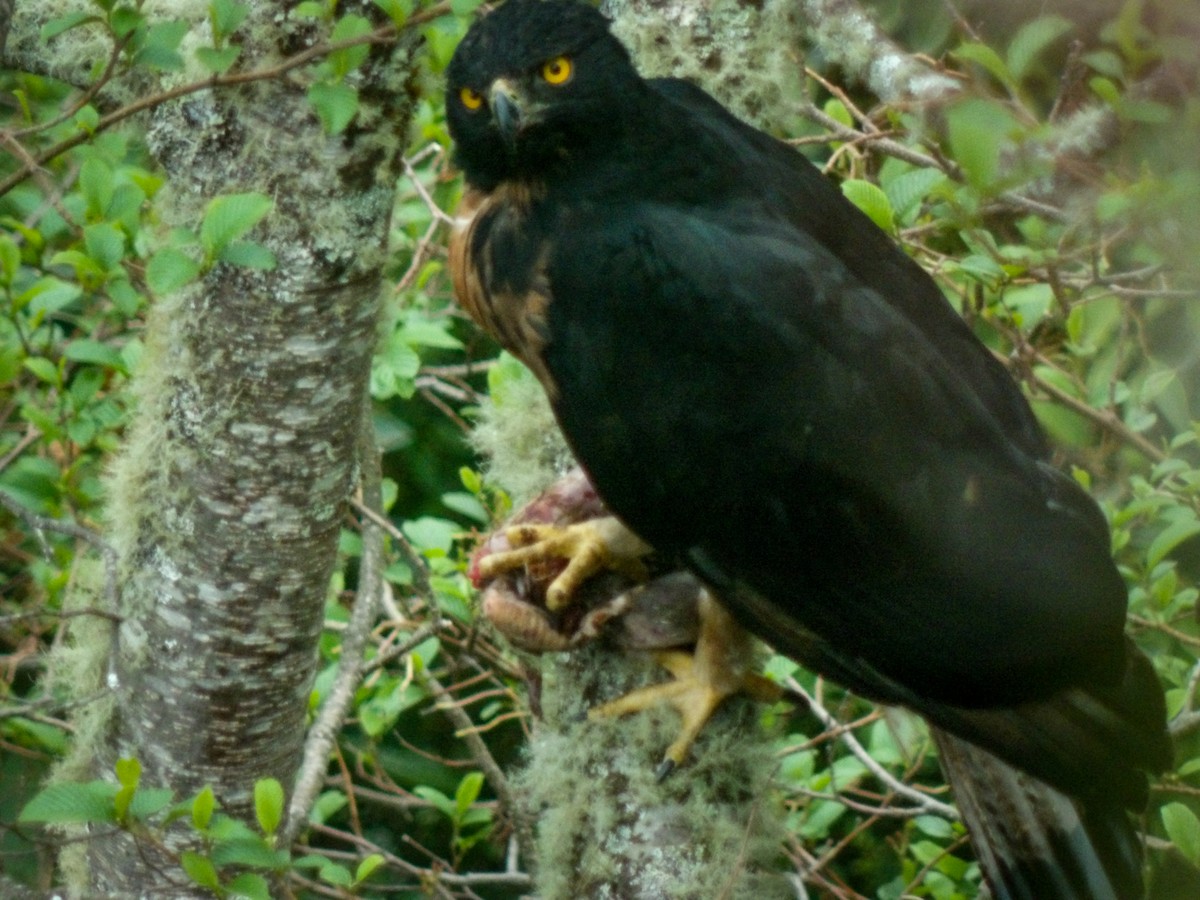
1034,842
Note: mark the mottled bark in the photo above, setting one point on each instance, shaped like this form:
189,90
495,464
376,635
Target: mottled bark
227,499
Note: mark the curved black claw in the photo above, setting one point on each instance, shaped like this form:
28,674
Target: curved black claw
665,768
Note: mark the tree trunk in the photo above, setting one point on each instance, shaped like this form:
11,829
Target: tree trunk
227,499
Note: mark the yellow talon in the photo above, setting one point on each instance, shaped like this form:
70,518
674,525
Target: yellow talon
701,681
588,547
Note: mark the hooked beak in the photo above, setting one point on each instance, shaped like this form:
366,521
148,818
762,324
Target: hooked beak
507,110
513,111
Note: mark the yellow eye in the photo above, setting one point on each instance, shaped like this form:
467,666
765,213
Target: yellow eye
472,100
557,70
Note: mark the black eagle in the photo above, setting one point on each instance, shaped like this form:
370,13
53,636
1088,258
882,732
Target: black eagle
761,384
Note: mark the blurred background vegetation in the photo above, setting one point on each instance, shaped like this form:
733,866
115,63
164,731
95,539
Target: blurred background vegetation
1055,198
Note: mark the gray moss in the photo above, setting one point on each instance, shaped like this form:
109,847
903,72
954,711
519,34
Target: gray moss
523,450
747,55
607,828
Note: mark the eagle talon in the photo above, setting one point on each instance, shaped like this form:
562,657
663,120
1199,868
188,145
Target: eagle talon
588,547
702,680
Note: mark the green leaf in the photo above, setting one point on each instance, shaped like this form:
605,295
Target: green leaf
906,192
105,244
466,504
871,199
96,185
168,270
248,254
428,533
10,259
268,804
227,828
1105,89
124,20
935,827
394,369
201,870
423,332
436,798
309,861
44,369
327,805
1029,302
226,16
978,130
1031,41
1146,111
148,801
367,866
1170,538
397,10
86,350
467,793
837,110
217,61
989,59
1106,62
1155,383
310,9
470,479
87,118
379,713
250,886
229,217
202,808
348,59
160,49
49,295
55,27
252,851
334,104
87,272
332,873
72,802
464,7
1183,828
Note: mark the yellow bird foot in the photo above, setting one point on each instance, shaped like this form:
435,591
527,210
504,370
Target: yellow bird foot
588,548
702,680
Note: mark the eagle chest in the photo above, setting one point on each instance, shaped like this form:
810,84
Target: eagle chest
498,264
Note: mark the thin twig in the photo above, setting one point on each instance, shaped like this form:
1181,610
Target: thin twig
30,435
927,804
416,564
483,756
323,734
1105,419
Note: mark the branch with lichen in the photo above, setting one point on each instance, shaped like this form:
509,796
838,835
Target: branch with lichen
847,35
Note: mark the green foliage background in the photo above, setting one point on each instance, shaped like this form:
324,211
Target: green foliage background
1054,201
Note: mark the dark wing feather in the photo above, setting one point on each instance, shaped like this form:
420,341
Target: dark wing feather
793,188
741,398
823,451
